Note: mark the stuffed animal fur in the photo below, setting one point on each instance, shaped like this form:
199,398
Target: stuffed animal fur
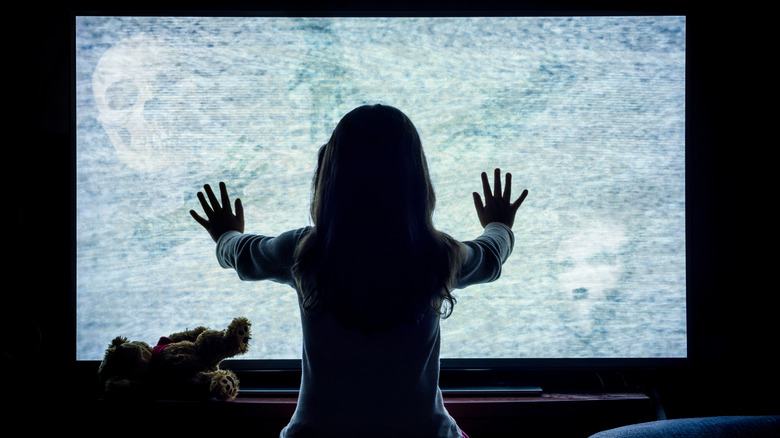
182,365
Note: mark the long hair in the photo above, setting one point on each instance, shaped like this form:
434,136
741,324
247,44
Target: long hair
373,256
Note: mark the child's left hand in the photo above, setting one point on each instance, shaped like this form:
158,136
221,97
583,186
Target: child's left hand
220,218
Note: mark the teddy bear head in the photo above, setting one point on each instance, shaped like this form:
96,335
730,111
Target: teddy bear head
124,365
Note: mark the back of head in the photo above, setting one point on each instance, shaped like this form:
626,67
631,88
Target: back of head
373,168
374,257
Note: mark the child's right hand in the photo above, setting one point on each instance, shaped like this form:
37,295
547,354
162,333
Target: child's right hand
497,207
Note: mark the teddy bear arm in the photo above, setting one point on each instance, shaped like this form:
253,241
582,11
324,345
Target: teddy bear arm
213,346
187,335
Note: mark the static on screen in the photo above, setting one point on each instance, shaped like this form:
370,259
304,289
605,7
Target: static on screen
588,113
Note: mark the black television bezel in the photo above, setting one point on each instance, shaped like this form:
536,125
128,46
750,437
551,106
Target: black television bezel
455,372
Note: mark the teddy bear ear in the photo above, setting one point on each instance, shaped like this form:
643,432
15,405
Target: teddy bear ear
119,340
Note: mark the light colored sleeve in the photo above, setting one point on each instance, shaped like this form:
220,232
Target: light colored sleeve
486,254
257,257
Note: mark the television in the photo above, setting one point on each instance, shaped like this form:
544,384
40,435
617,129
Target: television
588,112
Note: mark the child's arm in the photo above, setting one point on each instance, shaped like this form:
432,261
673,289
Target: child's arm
497,207
220,218
487,253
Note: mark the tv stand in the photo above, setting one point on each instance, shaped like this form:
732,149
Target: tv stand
485,414
493,391
464,391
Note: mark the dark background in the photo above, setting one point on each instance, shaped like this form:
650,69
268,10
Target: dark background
731,245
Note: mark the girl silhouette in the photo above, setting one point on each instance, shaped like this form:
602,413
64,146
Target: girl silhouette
373,276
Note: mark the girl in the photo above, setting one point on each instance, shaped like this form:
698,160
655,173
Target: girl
373,278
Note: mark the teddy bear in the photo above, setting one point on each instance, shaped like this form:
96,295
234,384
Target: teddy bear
182,365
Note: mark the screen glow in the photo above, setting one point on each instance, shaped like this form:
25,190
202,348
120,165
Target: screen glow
588,113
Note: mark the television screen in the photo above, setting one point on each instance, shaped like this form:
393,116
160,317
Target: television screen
587,112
